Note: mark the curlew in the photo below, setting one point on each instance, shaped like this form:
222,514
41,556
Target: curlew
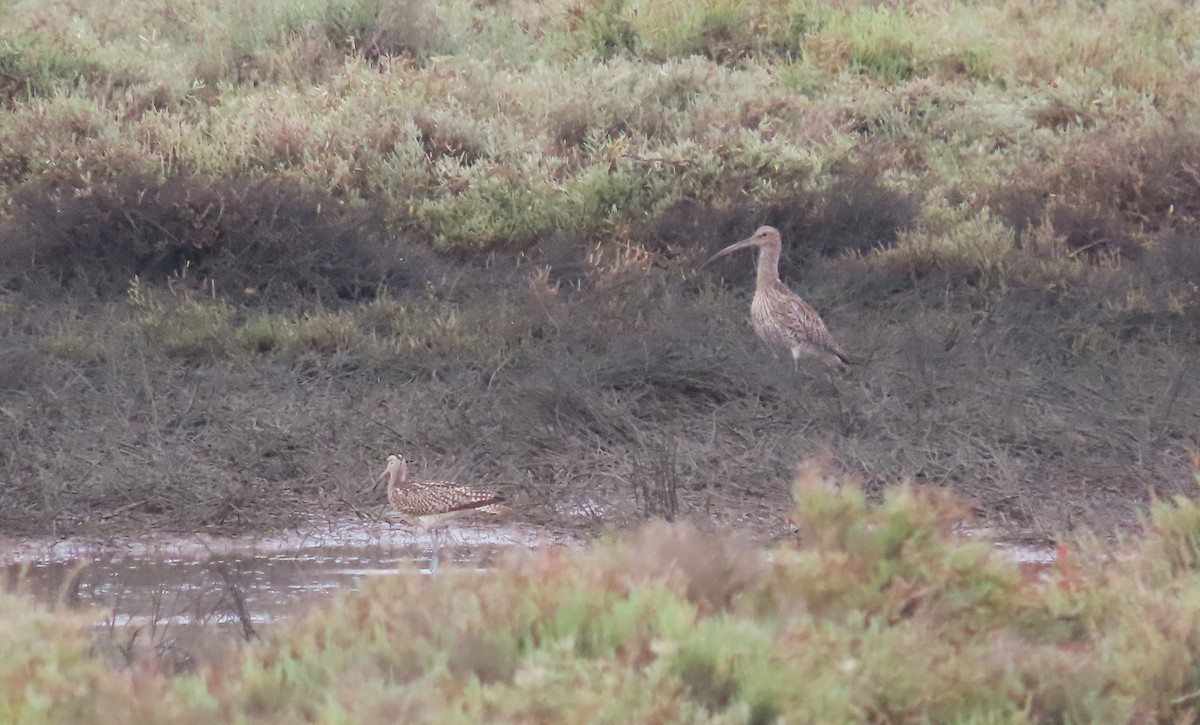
779,317
432,504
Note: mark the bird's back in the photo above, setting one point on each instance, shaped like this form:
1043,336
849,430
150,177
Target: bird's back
431,498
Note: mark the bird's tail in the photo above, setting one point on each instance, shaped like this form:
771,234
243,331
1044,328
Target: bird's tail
841,362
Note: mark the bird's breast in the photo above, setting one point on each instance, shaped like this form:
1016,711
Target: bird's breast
764,321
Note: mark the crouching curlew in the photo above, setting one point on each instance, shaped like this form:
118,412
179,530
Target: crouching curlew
778,315
433,504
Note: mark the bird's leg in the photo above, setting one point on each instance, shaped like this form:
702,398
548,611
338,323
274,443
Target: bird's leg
412,529
843,414
797,378
837,393
433,560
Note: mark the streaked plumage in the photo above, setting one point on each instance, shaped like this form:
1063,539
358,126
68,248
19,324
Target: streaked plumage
431,503
777,314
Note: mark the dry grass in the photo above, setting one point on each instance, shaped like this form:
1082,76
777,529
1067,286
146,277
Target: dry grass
619,390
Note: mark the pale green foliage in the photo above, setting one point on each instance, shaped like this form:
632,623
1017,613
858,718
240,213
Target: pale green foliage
72,340
46,672
181,327
483,127
384,332
976,248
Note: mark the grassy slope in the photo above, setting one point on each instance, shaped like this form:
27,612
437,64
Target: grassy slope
221,303
879,615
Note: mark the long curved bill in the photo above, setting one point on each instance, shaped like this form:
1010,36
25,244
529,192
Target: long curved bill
747,242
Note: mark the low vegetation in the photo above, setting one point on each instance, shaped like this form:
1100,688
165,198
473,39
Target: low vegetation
872,614
247,251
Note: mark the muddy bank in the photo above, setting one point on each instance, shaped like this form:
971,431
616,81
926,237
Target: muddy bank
597,388
684,417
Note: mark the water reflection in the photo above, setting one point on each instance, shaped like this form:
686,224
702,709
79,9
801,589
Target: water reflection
241,583
237,581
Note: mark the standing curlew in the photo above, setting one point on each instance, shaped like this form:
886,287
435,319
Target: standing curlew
432,504
778,315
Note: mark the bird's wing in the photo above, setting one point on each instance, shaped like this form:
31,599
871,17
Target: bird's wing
801,323
458,497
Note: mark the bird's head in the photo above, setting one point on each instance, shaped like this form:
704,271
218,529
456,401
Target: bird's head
765,236
397,469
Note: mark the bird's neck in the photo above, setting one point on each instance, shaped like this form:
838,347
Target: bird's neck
398,479
768,266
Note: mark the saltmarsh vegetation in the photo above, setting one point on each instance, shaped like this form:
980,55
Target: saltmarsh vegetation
247,249
876,614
